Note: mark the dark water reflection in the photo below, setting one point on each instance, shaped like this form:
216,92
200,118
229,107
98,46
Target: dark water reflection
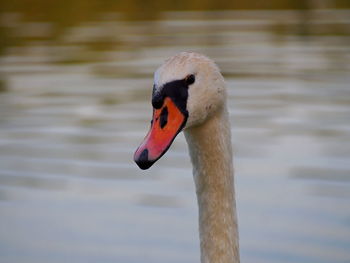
75,104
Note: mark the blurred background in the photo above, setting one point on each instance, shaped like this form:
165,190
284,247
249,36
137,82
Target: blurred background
75,89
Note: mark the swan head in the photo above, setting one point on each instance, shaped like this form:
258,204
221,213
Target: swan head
188,89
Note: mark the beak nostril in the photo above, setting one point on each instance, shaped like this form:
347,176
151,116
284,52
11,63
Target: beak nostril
163,117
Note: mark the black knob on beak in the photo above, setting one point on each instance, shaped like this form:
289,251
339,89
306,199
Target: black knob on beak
157,100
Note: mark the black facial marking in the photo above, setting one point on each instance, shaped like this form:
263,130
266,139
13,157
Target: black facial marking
177,91
190,79
163,117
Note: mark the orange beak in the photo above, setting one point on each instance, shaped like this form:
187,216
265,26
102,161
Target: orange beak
167,122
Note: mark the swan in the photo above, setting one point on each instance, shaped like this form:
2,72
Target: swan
189,94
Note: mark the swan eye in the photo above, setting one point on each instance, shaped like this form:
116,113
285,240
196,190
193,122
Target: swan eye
190,79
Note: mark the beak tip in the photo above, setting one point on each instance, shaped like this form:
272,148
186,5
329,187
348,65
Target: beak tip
142,160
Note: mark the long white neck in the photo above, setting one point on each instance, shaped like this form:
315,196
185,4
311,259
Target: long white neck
211,155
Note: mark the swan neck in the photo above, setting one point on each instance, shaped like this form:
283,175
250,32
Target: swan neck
211,155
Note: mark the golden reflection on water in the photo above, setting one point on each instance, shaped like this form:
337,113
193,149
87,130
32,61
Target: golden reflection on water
75,87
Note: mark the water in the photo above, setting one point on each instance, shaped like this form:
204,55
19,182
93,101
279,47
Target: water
75,104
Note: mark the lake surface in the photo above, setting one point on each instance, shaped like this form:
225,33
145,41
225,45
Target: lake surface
74,105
